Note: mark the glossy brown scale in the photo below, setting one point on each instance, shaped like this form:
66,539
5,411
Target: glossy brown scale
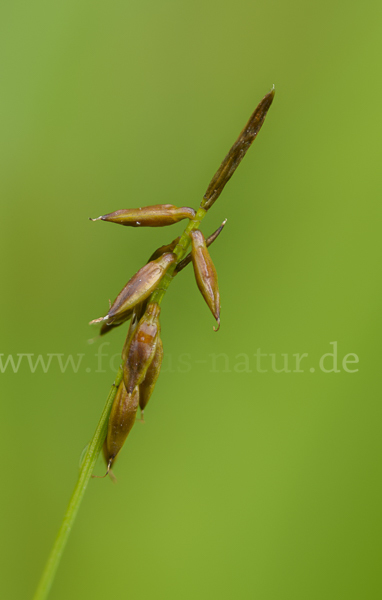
141,347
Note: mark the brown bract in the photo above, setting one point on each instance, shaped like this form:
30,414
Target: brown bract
158,215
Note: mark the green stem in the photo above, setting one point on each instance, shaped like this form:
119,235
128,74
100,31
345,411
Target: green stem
86,470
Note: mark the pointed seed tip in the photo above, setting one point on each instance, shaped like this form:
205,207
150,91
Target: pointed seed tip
99,320
102,476
218,327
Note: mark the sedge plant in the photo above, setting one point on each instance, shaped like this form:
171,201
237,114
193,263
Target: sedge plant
139,303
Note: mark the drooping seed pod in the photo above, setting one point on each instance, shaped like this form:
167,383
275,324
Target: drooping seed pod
205,274
158,215
121,420
141,348
147,386
210,240
138,289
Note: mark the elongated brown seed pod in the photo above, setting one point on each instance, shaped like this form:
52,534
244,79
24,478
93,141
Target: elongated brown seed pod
141,348
158,215
147,386
121,420
138,288
205,274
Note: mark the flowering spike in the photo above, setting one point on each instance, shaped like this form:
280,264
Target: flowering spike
140,299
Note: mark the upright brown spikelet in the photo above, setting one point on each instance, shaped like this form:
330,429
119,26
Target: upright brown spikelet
237,151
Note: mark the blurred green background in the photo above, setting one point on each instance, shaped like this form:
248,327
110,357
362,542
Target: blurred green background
241,483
